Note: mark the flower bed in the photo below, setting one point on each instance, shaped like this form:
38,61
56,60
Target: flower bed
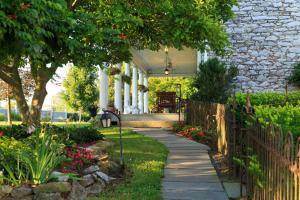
48,164
197,134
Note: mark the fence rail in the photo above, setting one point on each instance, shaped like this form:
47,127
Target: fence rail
277,153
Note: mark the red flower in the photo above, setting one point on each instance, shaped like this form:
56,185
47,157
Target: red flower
1,133
122,36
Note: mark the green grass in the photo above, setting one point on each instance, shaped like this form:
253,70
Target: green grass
145,159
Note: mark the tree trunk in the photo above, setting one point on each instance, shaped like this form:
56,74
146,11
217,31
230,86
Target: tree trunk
9,111
38,99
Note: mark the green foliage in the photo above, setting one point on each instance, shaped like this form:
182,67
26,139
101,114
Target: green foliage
16,131
2,117
81,90
168,85
295,77
178,126
32,160
287,117
213,81
89,33
83,135
254,168
268,98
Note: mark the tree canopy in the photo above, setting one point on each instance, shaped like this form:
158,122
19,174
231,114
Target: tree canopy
89,33
81,91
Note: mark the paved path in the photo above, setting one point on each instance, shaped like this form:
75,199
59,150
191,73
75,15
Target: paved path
189,174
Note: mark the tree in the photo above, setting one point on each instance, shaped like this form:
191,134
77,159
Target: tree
158,84
213,81
81,91
6,92
89,33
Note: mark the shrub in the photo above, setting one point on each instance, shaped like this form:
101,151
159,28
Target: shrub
287,117
213,81
15,116
16,131
268,98
295,77
83,135
178,126
2,117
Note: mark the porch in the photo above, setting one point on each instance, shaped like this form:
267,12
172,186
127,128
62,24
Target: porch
134,101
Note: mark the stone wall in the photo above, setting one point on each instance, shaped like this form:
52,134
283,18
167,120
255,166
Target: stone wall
265,37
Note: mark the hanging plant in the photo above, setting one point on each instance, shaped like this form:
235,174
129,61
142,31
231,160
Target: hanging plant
143,88
126,79
114,71
146,89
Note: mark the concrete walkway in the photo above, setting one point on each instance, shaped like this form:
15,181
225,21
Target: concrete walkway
189,174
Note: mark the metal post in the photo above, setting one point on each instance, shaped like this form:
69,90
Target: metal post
118,116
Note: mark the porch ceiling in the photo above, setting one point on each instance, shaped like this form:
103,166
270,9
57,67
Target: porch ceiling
153,62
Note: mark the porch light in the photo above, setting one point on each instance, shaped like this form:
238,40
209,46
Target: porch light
166,71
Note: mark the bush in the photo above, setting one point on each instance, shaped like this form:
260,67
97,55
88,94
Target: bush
287,117
268,98
15,116
83,135
214,81
2,118
16,131
295,77
178,126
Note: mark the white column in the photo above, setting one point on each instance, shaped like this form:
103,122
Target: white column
205,56
118,90
199,59
141,93
127,91
135,109
146,108
103,90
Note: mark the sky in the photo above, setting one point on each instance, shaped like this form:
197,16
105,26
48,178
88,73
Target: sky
54,87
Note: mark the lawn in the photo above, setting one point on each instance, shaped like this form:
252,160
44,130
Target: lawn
145,159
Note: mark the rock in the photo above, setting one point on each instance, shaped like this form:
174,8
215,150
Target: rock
5,190
91,169
104,158
78,192
53,187
21,192
87,180
111,167
103,176
48,196
95,189
98,179
60,177
104,145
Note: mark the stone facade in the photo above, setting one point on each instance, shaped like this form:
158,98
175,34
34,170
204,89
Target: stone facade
265,36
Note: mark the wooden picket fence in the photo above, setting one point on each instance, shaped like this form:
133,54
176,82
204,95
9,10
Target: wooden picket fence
277,153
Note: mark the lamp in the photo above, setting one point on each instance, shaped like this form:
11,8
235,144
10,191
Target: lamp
106,120
166,71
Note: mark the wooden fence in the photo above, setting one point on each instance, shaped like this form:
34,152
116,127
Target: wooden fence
277,153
